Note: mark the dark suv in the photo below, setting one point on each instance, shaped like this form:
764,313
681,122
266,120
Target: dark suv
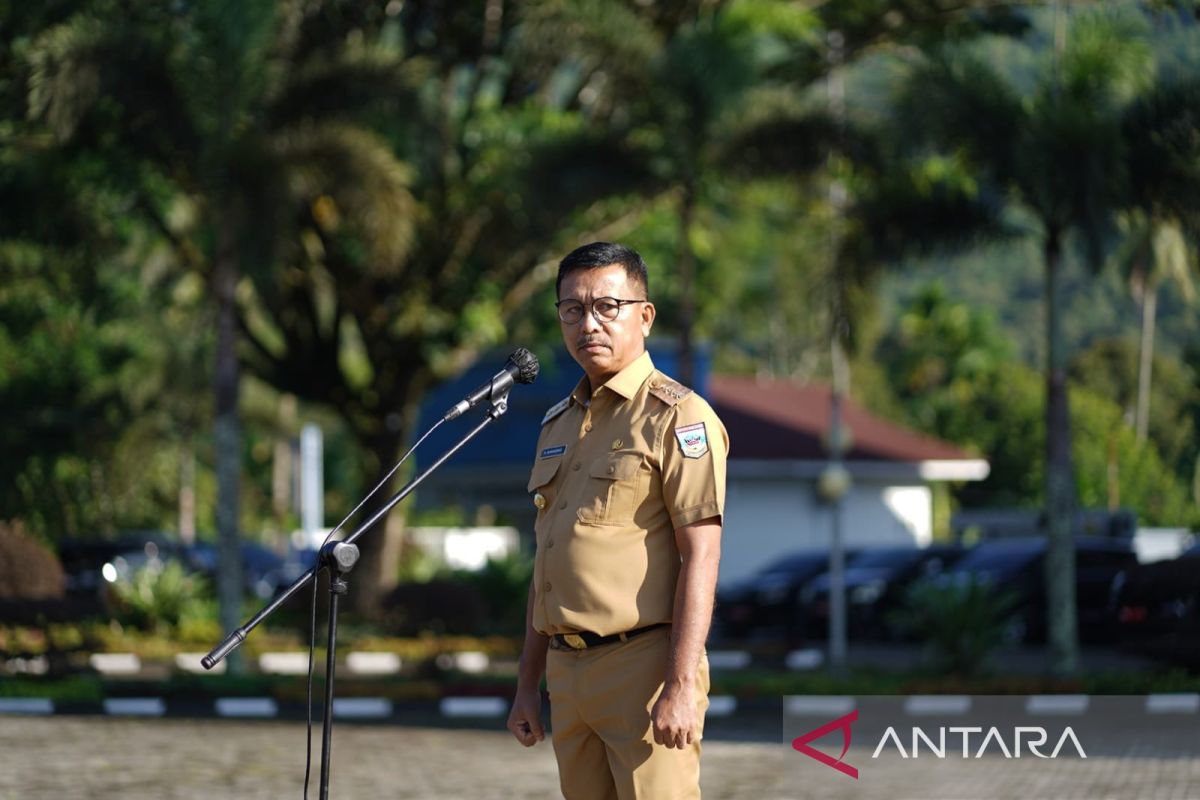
769,600
875,580
1017,565
1157,608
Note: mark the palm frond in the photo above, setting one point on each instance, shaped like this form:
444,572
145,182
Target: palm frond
347,176
349,85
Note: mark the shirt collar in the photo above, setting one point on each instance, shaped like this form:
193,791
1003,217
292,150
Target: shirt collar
626,383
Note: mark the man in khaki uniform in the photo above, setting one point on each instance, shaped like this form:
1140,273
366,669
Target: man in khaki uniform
629,482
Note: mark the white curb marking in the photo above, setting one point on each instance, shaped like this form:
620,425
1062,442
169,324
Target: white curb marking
246,707
924,705
827,706
473,706
26,705
1181,703
366,663
115,663
1057,704
362,708
135,706
728,659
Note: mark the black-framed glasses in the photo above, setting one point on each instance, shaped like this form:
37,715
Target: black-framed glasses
604,309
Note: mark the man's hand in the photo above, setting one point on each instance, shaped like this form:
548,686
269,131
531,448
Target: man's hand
525,717
673,719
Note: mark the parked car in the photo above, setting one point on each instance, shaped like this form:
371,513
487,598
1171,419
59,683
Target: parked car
769,600
261,566
1157,607
1017,565
90,565
875,580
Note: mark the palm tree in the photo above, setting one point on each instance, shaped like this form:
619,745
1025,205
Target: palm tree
369,216
187,107
1054,150
1162,219
1153,253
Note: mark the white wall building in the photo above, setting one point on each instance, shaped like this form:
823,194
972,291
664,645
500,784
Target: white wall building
777,430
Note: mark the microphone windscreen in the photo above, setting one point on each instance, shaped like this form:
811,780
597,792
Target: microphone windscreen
526,364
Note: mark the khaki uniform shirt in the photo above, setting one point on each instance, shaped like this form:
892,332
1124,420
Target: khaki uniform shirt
613,477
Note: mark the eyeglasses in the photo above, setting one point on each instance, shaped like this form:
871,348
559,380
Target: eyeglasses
604,309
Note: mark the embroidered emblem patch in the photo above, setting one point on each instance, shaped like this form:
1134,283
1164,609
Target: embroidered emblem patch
693,440
551,452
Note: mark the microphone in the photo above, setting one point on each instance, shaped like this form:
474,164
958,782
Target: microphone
521,367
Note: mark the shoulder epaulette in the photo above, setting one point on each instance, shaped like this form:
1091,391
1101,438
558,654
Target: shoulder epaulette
668,390
556,409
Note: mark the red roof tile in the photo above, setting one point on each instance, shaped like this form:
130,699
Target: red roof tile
776,419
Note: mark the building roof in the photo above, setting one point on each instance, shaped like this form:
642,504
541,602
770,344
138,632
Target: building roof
778,420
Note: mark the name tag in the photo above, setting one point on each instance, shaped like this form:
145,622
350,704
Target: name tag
551,452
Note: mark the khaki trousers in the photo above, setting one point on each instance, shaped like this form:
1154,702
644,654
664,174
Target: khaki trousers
600,701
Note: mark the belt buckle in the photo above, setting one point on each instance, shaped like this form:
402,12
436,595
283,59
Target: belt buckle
575,641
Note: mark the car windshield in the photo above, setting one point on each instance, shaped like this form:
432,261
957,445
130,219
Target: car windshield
886,557
998,556
797,562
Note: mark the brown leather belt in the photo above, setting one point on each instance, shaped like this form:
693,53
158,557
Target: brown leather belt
585,639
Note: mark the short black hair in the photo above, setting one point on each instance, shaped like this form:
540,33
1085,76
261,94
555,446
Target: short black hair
604,254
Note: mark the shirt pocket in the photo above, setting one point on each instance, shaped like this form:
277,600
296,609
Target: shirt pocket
614,488
541,482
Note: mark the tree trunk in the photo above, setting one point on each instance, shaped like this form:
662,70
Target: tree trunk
687,278
1060,494
281,463
1146,359
187,491
227,434
381,548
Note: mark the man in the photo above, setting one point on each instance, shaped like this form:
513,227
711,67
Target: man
629,482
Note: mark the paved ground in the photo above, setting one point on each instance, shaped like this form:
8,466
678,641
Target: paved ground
62,758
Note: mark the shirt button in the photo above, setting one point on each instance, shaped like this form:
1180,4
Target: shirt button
611,469
547,586
575,466
549,543
539,500
617,444
562,504
587,427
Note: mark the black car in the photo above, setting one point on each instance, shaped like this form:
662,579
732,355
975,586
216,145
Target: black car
1157,608
875,580
769,600
1017,565
90,565
261,566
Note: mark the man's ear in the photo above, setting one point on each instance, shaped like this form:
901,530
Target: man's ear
648,314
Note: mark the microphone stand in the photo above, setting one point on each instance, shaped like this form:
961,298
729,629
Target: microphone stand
339,557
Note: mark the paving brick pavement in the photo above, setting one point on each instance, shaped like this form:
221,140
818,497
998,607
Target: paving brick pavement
63,758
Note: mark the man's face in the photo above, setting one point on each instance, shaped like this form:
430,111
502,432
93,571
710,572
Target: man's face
605,348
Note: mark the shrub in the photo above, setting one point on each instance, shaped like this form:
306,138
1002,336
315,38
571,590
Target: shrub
159,597
961,622
438,606
28,569
503,585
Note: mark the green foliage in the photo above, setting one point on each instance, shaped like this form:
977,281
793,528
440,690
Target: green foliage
1115,469
162,598
962,623
503,584
1108,368
489,600
949,368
